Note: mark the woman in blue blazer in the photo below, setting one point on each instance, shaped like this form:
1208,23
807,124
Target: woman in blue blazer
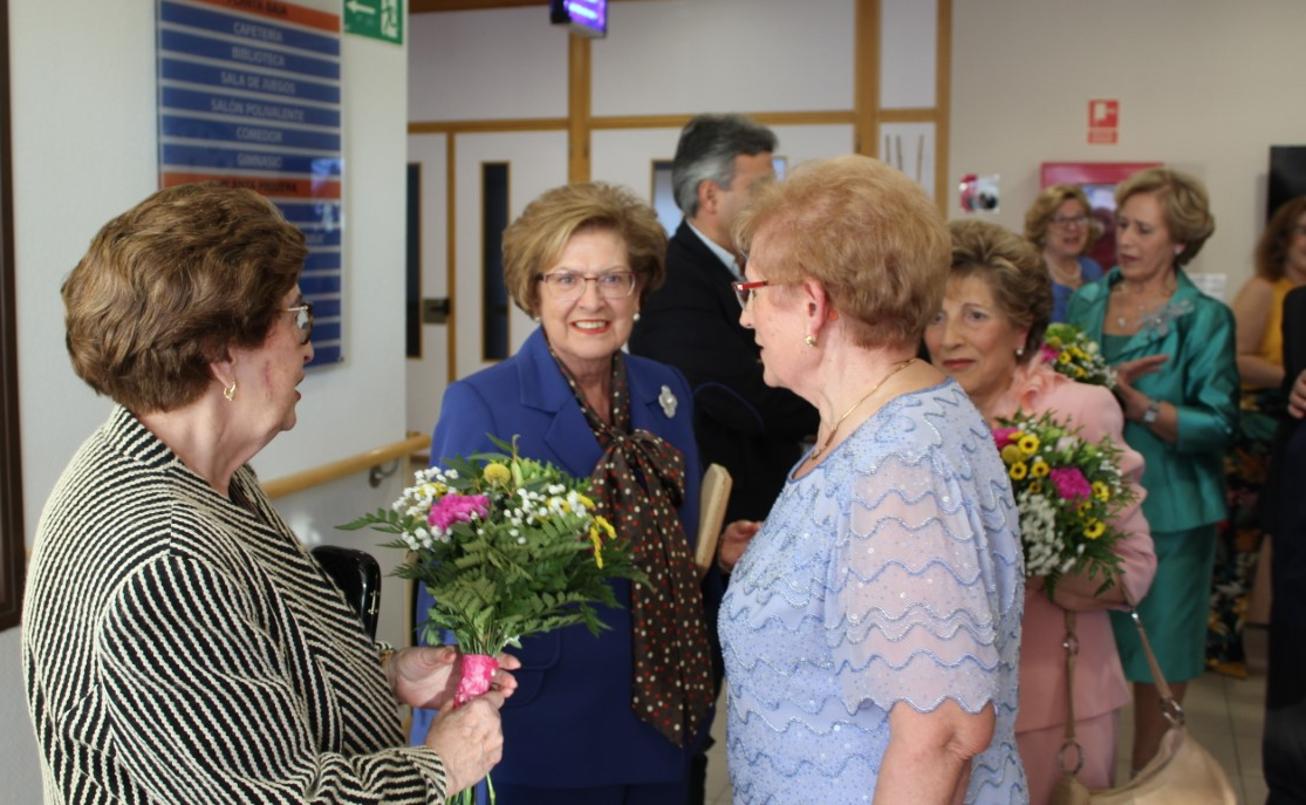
1173,348
614,718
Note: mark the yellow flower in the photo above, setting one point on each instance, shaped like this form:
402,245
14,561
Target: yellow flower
1063,357
586,502
1101,491
434,490
1018,471
1028,444
1036,487
598,546
497,473
602,522
1039,469
1094,529
1079,371
1011,454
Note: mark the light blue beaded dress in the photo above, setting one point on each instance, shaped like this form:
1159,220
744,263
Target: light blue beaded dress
891,572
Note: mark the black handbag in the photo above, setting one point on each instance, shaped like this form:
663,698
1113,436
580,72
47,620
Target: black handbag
358,576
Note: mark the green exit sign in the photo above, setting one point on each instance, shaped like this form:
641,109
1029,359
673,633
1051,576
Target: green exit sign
379,19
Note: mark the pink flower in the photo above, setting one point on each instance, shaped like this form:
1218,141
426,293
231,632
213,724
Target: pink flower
454,508
1071,483
1002,436
1049,353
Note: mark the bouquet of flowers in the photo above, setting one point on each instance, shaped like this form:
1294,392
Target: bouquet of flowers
1067,490
1075,355
507,547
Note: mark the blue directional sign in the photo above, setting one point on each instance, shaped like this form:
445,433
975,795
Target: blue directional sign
249,95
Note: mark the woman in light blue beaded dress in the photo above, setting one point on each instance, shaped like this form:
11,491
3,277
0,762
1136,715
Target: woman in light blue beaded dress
872,628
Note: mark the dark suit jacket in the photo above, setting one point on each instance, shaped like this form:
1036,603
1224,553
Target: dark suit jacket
570,724
1284,749
692,323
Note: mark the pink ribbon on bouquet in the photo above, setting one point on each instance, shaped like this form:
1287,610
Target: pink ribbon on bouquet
476,672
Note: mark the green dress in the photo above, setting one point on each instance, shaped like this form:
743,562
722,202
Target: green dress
1184,480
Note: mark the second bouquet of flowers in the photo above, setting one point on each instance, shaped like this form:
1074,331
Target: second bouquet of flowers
1072,353
1067,491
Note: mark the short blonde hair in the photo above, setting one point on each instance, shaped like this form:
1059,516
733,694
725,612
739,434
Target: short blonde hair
1013,270
1040,214
168,286
867,234
1184,204
533,241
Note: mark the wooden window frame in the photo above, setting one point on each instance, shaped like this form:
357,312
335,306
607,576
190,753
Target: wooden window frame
12,541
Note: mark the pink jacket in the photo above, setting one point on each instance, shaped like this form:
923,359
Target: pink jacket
1100,685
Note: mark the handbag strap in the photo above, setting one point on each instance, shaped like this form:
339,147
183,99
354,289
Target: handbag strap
1171,709
1071,644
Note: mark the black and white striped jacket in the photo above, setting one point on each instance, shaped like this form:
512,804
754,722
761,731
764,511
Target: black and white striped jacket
181,647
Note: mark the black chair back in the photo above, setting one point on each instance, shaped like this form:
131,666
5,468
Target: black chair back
358,576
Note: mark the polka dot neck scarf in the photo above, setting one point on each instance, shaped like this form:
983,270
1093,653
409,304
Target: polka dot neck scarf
637,485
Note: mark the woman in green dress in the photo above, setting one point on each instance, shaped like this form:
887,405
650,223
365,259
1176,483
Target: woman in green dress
1173,349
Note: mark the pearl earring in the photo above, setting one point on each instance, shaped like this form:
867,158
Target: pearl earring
809,340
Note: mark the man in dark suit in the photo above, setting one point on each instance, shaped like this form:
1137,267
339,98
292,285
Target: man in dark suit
692,322
1283,749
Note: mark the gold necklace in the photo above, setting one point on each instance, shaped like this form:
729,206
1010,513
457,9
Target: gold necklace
897,367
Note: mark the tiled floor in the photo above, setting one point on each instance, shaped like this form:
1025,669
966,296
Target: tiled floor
1224,714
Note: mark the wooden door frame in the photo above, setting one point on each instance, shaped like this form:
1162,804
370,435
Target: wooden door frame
13,555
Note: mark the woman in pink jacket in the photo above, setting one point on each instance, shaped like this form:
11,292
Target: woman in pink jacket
987,336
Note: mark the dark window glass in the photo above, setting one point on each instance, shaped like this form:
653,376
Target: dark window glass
413,264
494,293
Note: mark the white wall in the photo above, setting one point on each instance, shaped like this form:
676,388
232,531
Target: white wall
501,63
689,56
1204,85
84,149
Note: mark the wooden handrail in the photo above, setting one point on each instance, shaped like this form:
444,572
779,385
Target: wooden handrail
326,473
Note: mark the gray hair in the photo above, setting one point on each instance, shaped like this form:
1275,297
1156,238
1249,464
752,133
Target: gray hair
707,150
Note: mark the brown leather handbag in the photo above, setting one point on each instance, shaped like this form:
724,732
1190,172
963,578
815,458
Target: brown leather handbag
1182,773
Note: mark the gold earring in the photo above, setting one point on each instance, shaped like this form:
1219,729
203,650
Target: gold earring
809,340
230,392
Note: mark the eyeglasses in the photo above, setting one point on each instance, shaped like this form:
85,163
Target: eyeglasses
569,285
744,290
303,320
1070,220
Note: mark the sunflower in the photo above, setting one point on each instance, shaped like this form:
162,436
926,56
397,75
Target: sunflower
1094,529
1028,444
1018,471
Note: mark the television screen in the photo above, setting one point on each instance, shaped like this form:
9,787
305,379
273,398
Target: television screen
589,17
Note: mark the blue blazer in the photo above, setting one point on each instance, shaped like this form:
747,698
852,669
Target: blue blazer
570,724
1184,480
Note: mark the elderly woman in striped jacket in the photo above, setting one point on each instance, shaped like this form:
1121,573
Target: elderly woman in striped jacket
179,644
